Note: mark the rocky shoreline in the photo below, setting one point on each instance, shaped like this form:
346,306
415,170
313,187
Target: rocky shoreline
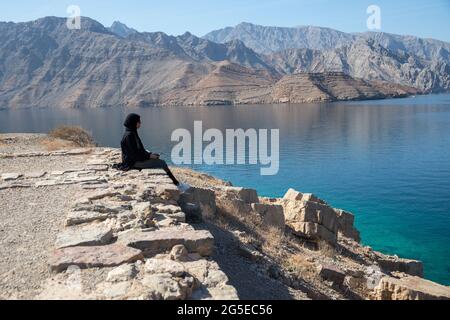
73,228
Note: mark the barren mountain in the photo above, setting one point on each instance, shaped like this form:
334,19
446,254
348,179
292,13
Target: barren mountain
44,64
406,60
121,29
367,60
198,49
268,40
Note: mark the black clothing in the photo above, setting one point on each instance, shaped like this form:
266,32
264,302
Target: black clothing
156,164
132,148
134,155
131,121
151,164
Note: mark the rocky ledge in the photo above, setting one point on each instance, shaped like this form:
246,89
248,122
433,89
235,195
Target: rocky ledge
133,235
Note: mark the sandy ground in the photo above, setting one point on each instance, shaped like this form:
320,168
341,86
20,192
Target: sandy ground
30,218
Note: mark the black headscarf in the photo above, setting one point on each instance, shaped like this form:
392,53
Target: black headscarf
131,121
132,148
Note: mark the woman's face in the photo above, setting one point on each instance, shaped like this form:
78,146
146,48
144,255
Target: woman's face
138,125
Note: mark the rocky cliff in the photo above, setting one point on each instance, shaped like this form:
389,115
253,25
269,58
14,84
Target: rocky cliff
406,60
74,228
44,64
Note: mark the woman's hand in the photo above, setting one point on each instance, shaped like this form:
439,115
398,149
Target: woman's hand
154,156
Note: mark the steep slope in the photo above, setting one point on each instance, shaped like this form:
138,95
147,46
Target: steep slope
199,49
272,39
233,84
406,60
227,84
121,29
332,86
44,64
367,60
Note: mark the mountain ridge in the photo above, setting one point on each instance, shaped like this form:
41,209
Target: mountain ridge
44,64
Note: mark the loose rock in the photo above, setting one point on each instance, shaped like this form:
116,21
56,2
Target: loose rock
93,257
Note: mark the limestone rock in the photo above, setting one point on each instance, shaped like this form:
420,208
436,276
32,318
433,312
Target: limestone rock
91,235
124,272
143,210
223,293
80,217
168,191
198,241
193,212
114,289
171,267
179,253
164,287
244,194
273,215
294,195
216,278
93,257
207,272
47,183
167,208
204,198
313,220
178,217
103,194
331,273
346,225
313,231
410,288
102,208
197,268
10,176
35,174
324,215
411,267
309,197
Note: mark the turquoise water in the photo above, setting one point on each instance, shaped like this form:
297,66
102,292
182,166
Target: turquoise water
386,161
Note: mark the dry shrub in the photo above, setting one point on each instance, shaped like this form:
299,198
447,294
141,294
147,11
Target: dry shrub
273,240
52,144
300,266
327,249
77,135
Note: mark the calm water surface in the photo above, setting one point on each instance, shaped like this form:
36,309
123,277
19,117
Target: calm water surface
387,161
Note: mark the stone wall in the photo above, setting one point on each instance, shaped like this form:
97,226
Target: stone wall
142,233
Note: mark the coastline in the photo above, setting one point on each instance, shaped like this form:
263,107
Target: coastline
225,211
399,97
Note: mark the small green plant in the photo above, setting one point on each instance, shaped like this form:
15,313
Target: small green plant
77,135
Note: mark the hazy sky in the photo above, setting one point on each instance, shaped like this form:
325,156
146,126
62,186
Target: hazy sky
429,18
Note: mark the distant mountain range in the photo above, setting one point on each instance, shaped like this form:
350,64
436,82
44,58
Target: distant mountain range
44,64
407,60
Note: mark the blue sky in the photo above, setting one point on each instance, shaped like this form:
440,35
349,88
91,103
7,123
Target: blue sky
421,18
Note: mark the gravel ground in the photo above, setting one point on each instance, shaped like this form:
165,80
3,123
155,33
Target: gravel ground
47,164
21,142
30,219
